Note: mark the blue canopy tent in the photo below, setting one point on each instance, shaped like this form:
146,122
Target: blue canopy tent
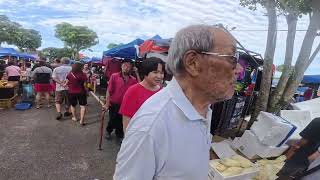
8,52
14,53
27,56
85,60
93,60
96,59
161,42
126,51
72,61
311,79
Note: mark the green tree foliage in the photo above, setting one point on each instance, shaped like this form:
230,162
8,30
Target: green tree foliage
76,37
27,39
291,76
280,68
113,45
7,29
52,52
14,34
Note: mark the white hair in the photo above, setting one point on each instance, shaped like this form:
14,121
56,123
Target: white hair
195,37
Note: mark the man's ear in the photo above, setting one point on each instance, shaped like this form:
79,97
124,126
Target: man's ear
191,61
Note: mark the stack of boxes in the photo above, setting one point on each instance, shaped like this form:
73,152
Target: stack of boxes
266,138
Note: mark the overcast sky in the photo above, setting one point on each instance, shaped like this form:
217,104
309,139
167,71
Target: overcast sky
120,21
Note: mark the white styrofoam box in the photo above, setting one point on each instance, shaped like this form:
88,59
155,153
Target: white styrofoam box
236,143
243,176
223,149
272,130
310,105
300,118
250,146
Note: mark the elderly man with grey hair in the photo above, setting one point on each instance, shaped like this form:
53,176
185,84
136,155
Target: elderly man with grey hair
169,136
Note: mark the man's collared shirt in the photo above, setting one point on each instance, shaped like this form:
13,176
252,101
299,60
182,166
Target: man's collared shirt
117,87
166,139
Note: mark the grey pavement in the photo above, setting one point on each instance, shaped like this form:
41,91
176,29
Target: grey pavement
35,146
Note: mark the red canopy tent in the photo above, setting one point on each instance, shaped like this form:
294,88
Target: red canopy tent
155,44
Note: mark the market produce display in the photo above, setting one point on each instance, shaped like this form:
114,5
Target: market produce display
269,168
3,83
233,166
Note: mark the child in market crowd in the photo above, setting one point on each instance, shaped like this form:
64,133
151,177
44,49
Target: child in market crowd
28,73
152,70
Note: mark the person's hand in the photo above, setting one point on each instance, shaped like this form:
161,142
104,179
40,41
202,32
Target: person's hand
135,69
105,107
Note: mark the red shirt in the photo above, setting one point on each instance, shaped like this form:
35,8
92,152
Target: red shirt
117,87
112,66
76,82
134,98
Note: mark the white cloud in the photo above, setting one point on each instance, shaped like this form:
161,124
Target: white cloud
124,20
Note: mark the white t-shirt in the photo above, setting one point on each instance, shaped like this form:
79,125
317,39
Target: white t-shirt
61,73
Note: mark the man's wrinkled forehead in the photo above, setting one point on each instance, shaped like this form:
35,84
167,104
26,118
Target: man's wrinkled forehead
223,39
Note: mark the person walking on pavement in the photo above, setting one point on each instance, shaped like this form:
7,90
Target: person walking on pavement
59,75
169,136
42,76
117,87
77,91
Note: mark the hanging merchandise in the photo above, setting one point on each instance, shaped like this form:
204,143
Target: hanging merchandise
229,114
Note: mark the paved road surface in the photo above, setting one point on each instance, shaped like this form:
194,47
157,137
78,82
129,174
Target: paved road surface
35,146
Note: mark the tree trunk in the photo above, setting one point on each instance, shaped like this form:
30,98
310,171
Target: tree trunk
303,60
274,105
262,102
76,55
314,54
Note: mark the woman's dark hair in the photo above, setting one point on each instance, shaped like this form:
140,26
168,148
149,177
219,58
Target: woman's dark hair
77,67
57,60
28,65
10,63
42,63
151,64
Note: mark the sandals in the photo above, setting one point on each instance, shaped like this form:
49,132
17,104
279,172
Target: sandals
83,124
74,119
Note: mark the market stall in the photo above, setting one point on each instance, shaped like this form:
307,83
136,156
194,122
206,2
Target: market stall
8,93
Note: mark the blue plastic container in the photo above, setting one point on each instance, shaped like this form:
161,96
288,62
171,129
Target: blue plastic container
23,106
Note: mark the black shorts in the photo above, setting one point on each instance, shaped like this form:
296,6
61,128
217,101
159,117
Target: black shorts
74,99
14,78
